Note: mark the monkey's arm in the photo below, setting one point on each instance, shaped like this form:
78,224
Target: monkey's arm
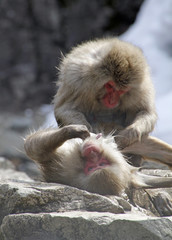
142,125
66,115
41,144
153,149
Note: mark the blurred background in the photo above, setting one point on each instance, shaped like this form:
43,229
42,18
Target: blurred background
33,33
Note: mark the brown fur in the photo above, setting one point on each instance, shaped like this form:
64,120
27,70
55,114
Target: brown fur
59,152
82,75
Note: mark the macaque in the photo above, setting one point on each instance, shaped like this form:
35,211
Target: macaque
73,156
105,84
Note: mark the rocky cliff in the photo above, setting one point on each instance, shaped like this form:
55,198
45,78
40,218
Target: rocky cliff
34,33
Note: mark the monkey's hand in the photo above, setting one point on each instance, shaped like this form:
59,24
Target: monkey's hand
77,131
40,144
128,136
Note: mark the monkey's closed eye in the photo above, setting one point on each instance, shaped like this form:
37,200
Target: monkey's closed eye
102,164
90,168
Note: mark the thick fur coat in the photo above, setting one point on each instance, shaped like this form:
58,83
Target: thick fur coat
83,74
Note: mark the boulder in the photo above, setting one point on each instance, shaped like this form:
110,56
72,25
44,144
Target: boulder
38,210
84,225
23,196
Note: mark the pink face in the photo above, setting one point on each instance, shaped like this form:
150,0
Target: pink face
93,158
112,97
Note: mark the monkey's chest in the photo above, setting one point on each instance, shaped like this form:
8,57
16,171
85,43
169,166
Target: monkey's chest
107,121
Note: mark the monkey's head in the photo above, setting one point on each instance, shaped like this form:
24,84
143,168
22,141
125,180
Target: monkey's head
103,73
105,168
123,71
94,164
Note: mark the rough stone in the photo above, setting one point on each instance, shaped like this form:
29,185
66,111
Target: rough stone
6,164
8,171
14,127
32,34
85,225
38,210
156,201
25,196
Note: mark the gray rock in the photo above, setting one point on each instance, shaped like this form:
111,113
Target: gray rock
5,164
32,34
156,201
162,201
35,197
84,225
37,210
8,174
14,127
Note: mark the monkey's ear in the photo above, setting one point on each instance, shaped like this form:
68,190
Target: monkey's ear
141,180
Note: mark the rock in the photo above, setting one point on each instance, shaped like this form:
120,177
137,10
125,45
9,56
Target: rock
35,197
12,174
32,40
156,201
38,210
14,127
8,172
162,201
84,225
5,164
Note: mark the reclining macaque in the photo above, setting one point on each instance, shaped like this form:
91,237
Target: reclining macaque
105,84
72,155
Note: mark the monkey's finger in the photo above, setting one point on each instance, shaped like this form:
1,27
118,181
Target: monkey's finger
84,133
79,131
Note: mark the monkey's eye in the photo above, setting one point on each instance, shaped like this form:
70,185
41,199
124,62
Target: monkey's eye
90,168
102,164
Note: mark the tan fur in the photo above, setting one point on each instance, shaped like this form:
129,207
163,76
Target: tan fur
153,149
82,75
59,152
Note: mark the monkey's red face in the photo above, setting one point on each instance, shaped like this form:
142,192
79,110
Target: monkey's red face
94,159
112,96
103,167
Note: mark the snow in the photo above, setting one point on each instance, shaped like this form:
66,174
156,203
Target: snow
152,31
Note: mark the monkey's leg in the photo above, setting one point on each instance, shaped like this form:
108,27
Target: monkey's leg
134,159
152,148
40,144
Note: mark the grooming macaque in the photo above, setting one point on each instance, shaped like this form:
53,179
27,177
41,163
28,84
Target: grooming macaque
105,84
72,155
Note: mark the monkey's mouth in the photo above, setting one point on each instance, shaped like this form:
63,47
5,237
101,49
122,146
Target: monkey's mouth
93,159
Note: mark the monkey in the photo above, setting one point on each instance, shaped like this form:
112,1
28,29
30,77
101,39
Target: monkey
73,156
106,85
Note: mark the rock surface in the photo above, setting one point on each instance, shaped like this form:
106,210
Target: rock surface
85,225
13,129
37,210
32,34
